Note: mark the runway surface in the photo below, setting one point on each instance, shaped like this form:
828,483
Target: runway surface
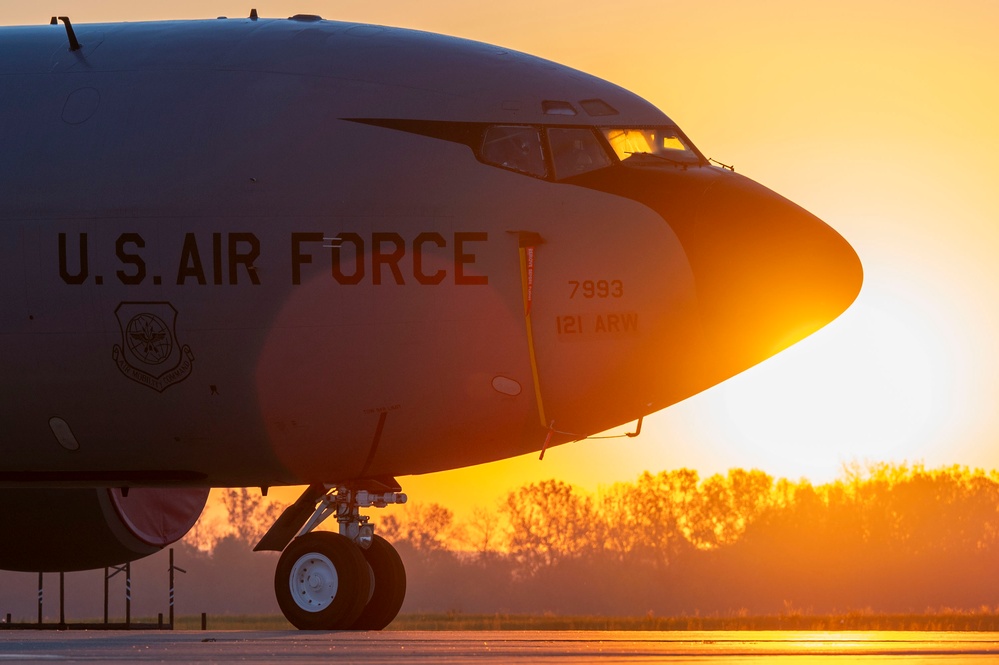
498,647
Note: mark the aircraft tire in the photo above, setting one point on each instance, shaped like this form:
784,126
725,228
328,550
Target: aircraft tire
322,582
389,586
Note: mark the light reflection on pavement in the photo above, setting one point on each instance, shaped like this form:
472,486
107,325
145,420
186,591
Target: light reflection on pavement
498,646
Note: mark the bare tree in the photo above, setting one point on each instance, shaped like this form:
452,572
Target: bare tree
482,532
250,515
425,527
550,521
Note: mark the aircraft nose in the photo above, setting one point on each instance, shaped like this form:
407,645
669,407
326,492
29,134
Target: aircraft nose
767,272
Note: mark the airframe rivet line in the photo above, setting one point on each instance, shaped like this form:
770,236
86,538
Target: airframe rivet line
527,284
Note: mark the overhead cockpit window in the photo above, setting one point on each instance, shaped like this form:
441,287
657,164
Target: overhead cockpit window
576,151
514,148
557,108
597,107
649,145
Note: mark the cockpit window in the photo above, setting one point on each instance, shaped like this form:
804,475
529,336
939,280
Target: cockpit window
550,107
576,151
597,107
650,143
515,148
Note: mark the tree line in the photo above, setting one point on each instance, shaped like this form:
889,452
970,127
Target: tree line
883,537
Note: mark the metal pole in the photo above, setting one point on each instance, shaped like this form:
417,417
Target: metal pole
128,594
39,598
105,595
62,598
171,588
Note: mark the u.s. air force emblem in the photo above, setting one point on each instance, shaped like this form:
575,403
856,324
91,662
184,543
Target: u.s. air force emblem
150,353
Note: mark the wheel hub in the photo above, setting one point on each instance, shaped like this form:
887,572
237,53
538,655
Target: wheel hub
313,582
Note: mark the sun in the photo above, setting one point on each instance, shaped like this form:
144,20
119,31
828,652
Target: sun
881,383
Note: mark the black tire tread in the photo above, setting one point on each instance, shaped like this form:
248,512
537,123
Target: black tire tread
390,586
353,582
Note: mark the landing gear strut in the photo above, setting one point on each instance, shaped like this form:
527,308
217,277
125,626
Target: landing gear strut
351,580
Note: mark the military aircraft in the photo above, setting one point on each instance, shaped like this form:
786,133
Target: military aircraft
267,252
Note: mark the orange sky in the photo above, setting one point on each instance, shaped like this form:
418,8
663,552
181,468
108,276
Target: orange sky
879,117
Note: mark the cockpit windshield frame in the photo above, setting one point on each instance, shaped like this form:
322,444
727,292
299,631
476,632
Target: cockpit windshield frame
567,149
642,145
529,148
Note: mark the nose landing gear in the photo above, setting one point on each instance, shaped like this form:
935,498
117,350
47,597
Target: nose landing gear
351,580
322,582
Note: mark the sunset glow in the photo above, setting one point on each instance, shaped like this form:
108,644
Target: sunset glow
878,118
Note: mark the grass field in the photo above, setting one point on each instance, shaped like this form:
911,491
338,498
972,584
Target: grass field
852,621
946,620
943,621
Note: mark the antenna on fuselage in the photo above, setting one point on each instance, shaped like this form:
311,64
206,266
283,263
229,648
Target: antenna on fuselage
253,14
74,44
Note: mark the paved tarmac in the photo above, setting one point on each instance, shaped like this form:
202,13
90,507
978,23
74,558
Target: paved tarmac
506,647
